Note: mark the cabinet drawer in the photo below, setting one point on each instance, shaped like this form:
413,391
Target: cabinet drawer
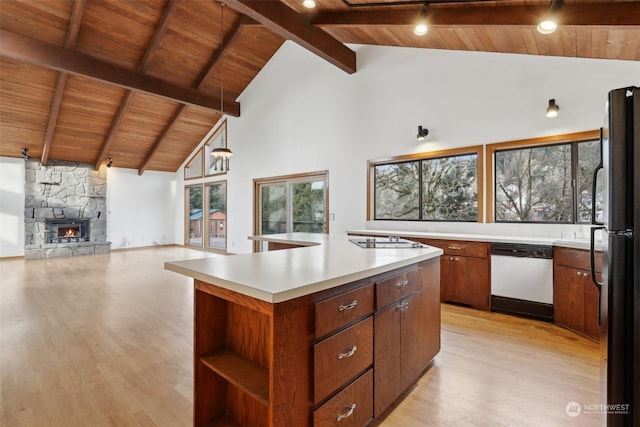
352,407
576,258
339,358
342,309
397,287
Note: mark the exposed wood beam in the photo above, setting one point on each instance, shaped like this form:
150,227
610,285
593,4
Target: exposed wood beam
26,49
206,71
625,14
288,23
61,80
149,53
113,129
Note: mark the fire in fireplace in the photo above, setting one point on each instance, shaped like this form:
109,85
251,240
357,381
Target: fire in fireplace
67,230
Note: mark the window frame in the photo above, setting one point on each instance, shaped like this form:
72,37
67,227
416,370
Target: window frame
477,150
569,138
187,167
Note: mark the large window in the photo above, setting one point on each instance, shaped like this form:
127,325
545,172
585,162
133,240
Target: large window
431,187
545,183
206,212
294,203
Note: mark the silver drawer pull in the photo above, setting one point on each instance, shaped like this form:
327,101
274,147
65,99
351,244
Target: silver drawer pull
348,306
455,248
348,353
347,414
402,284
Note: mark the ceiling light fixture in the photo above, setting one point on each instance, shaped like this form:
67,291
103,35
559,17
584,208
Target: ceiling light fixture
552,109
422,133
549,22
109,162
222,153
421,27
309,4
24,154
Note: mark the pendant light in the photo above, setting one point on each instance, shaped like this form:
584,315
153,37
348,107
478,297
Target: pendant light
222,153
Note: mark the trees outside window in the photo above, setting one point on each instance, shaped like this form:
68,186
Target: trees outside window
442,188
536,184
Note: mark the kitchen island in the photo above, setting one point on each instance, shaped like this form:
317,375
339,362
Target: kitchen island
320,335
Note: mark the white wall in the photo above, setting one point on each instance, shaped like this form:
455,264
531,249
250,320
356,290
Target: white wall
301,114
11,207
140,208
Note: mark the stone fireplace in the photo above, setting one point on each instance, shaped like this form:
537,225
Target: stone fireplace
65,210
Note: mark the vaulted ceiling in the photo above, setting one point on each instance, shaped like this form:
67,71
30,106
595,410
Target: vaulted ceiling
140,80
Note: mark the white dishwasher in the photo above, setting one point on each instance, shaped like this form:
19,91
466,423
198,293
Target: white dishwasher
522,279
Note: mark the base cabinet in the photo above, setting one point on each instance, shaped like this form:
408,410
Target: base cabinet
465,272
407,332
576,299
339,357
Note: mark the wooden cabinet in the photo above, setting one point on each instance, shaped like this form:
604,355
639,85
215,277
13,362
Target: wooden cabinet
575,297
465,276
324,359
405,338
352,407
343,358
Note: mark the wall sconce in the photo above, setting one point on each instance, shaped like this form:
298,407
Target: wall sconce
549,22
24,154
552,109
109,162
422,133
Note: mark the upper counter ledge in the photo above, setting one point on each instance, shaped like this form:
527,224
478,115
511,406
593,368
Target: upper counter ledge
491,238
324,262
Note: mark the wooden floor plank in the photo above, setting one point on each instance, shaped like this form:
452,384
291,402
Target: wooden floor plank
107,340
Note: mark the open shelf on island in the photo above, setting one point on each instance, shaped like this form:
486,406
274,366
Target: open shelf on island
243,373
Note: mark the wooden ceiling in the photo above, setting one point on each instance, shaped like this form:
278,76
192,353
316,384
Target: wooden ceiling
140,80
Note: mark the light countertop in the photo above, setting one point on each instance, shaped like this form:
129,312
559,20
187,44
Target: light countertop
324,262
491,238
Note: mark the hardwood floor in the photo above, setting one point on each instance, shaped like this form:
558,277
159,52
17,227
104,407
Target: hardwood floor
107,341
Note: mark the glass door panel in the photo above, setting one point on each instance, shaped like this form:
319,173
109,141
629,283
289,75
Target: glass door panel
308,207
273,208
194,211
217,215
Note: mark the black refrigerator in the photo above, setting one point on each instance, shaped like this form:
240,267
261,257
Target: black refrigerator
620,286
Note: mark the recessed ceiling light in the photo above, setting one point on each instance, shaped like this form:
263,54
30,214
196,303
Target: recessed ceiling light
420,29
309,4
547,27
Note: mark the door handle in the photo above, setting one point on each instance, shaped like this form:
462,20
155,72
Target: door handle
592,259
